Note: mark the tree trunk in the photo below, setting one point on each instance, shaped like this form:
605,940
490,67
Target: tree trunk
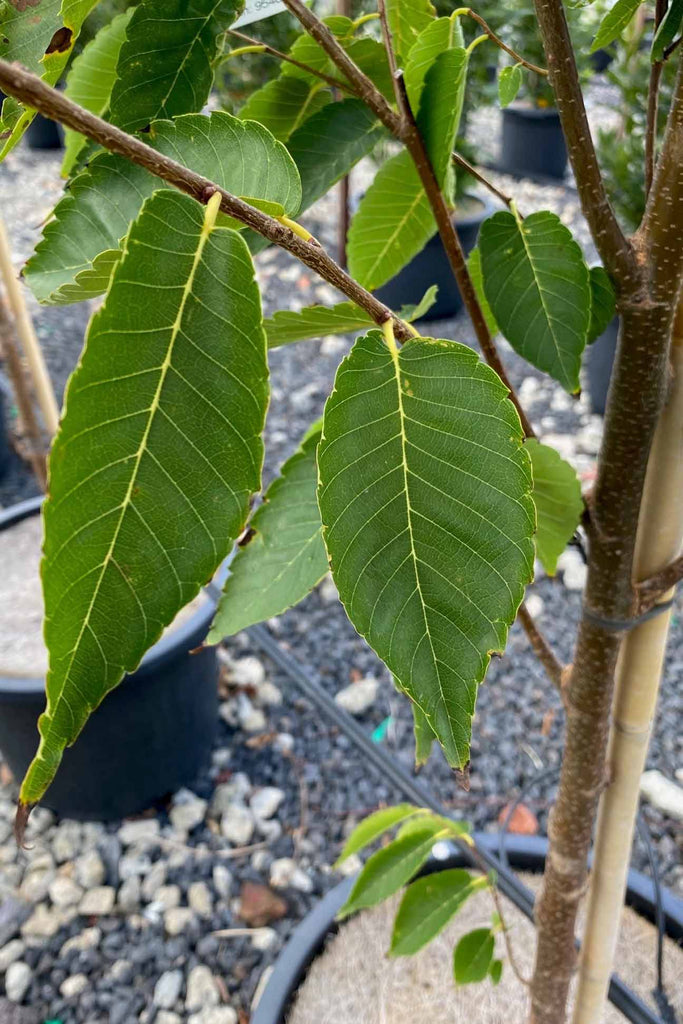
633,410
660,534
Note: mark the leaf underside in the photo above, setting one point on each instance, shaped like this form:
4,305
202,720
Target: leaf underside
614,23
150,474
538,288
406,21
558,501
285,558
425,496
284,104
95,214
439,35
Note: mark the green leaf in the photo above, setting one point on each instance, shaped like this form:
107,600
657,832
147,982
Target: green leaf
40,34
375,825
473,956
389,870
425,496
496,972
603,303
537,284
371,57
307,51
330,143
286,326
424,735
509,83
428,905
283,105
441,108
91,79
393,223
671,25
439,35
407,19
285,556
474,267
150,475
82,240
165,67
614,23
557,497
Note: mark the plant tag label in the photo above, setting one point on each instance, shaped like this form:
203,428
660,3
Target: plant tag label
258,10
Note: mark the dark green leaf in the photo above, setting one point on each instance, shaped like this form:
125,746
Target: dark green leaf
428,905
285,557
284,104
393,223
165,67
559,505
496,972
155,461
389,870
102,200
474,267
473,956
430,550
40,34
330,143
603,303
286,326
509,83
424,735
441,107
439,35
614,23
91,79
538,287
375,825
672,24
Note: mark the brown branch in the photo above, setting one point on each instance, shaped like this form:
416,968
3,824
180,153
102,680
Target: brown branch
650,590
29,89
660,233
653,106
616,252
388,41
336,83
365,88
499,42
542,649
406,131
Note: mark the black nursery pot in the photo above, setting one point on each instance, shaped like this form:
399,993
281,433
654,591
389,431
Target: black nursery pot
152,735
431,266
525,853
599,365
533,142
42,133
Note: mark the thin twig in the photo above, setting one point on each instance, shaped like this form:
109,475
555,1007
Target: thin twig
365,88
653,106
336,83
618,255
468,12
405,130
471,169
497,902
388,41
542,649
650,590
31,90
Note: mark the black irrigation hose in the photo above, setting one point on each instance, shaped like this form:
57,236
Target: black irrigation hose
659,992
622,997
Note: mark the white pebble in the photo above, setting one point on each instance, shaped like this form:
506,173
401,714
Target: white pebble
265,802
177,919
202,991
222,880
358,697
167,989
137,831
73,986
64,892
98,901
17,980
199,899
662,793
237,825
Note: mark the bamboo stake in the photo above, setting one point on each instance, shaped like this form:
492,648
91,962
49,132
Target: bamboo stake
34,357
639,669
15,371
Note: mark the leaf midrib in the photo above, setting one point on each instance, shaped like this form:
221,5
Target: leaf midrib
413,554
207,227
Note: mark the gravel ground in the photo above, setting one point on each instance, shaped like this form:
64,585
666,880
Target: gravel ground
120,917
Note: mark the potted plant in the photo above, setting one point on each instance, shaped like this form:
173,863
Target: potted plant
425,484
